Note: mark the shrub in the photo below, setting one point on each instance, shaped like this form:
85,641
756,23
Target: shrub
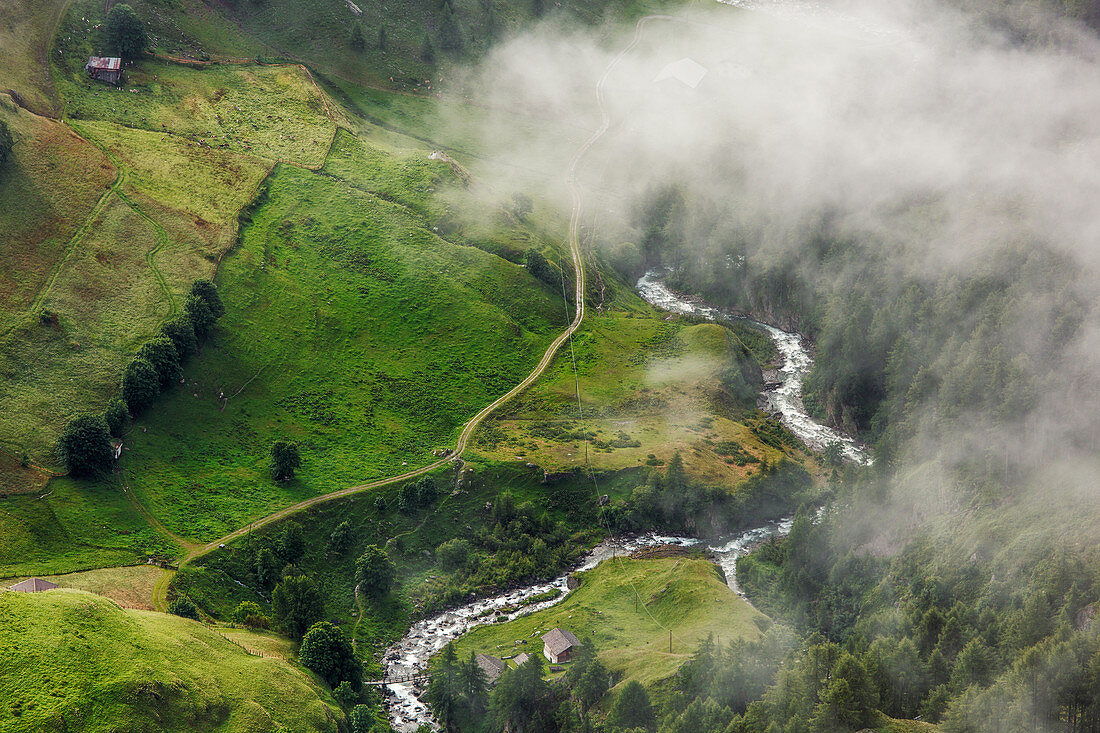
140,385
346,695
85,446
341,538
285,460
454,554
183,606
375,572
542,270
361,719
116,416
124,33
245,609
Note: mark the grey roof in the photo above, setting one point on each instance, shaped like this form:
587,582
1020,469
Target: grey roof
491,666
559,640
521,659
33,585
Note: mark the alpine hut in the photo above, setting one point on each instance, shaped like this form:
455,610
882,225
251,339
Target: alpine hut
558,645
491,666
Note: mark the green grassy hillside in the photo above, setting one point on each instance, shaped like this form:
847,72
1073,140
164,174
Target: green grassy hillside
76,662
27,30
686,595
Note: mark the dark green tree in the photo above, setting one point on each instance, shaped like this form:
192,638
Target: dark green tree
427,50
124,33
444,693
381,38
116,416
267,567
85,446
7,143
450,34
326,651
184,606
201,317
375,572
542,270
140,386
632,708
161,353
341,538
297,604
285,460
355,37
475,688
291,544
182,333
537,8
521,697
208,291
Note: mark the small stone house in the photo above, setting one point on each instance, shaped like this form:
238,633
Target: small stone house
33,585
108,69
491,666
558,645
521,659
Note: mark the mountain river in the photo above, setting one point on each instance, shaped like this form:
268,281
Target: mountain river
428,636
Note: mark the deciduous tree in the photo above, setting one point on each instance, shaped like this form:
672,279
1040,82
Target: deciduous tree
124,33
297,604
327,652
140,386
85,446
285,460
375,572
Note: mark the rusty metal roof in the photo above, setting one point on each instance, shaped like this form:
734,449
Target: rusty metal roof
103,63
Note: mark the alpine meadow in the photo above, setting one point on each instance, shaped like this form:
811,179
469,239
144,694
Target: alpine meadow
588,366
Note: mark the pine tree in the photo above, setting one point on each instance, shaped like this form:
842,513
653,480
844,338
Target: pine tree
450,35
427,50
355,37
381,38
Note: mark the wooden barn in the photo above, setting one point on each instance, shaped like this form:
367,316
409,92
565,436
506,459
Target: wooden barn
106,69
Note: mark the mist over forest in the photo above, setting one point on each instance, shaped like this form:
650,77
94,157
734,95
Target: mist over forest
913,187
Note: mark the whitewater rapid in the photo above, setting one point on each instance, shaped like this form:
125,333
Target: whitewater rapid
786,399
428,636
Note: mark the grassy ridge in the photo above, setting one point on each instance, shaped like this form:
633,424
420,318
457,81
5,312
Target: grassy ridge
684,594
26,33
74,661
371,338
